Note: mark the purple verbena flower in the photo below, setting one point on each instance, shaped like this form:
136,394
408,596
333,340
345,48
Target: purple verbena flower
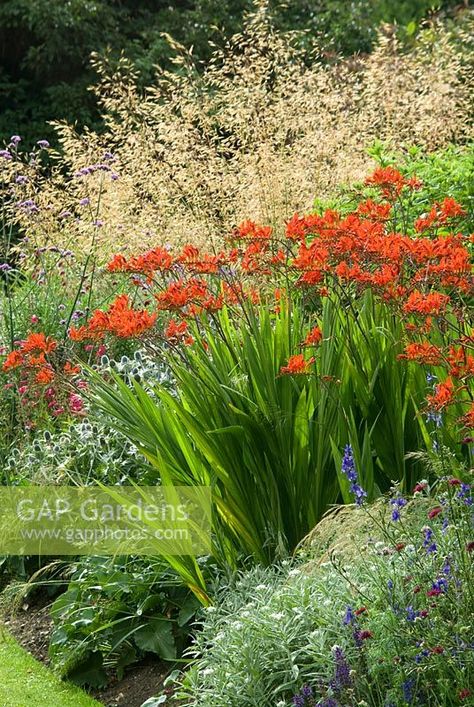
28,206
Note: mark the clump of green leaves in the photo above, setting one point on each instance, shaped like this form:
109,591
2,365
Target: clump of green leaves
443,173
114,612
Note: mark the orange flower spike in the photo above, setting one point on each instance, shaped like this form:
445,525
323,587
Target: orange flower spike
252,231
468,419
420,303
312,277
314,337
297,365
374,211
13,360
39,360
44,376
176,331
423,353
38,342
425,222
70,369
389,179
298,227
449,208
117,264
443,396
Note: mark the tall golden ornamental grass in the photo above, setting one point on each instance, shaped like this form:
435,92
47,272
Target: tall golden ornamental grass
258,134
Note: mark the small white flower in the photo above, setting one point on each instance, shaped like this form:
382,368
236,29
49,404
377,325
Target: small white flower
278,616
294,573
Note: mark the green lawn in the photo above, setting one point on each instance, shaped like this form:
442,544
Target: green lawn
24,682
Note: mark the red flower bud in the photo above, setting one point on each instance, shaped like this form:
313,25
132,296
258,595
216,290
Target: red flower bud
435,512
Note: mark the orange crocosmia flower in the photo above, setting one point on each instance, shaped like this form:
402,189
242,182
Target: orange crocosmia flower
70,369
44,376
372,210
117,264
205,263
123,321
279,257
389,179
443,396
461,364
468,419
148,263
313,337
13,360
297,365
298,227
120,319
252,231
449,208
423,353
312,277
425,222
176,331
421,303
38,342
343,270
189,253
83,333
180,293
414,182
279,293
39,360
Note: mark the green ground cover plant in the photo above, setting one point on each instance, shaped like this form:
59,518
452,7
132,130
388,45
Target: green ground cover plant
383,616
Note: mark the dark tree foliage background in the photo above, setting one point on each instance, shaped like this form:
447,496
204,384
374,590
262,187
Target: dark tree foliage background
45,45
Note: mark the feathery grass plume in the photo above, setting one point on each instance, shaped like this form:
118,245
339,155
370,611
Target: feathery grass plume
256,134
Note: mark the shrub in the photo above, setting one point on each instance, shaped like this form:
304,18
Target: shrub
392,625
